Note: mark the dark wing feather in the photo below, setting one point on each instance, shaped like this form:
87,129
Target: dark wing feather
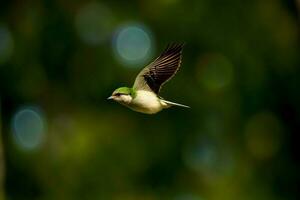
160,70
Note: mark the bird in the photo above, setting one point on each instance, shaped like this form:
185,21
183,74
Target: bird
144,96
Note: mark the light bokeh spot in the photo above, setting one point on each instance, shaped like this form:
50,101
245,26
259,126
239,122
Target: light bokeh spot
6,44
132,44
94,23
29,128
206,158
201,157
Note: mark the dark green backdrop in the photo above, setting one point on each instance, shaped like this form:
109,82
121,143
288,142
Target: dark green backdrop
61,138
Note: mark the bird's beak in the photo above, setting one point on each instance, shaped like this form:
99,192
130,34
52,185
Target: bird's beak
111,97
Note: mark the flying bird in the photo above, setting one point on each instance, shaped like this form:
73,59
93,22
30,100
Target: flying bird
143,96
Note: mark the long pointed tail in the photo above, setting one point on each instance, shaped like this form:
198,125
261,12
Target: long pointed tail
169,103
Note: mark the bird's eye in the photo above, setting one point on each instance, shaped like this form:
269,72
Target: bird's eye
118,94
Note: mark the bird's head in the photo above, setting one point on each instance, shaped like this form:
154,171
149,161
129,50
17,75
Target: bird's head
123,95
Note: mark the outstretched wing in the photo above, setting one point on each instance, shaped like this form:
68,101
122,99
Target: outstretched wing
162,69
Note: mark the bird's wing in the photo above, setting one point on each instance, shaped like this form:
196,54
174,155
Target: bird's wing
162,69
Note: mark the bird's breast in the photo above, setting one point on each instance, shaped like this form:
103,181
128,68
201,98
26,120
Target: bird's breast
146,102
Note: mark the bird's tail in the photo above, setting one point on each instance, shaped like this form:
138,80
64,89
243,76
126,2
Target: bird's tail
169,103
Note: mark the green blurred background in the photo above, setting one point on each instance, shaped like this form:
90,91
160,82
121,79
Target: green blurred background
61,138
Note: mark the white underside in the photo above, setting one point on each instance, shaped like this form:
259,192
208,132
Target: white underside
147,102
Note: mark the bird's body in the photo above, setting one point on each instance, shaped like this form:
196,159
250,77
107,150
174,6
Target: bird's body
146,102
143,96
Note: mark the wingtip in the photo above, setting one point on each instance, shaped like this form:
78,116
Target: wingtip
173,47
176,45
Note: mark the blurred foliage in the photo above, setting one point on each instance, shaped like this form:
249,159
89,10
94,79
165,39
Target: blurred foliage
240,75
